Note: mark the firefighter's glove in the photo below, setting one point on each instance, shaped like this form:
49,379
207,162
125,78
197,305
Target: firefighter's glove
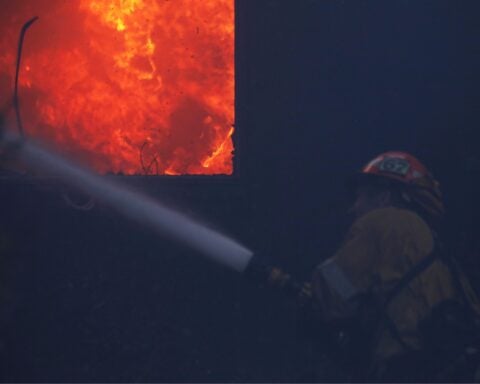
302,293
268,275
278,278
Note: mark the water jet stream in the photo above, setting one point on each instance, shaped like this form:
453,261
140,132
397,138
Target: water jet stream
131,204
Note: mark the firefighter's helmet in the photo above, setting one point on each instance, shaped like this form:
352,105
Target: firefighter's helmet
419,187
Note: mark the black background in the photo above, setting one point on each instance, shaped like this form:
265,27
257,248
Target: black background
322,87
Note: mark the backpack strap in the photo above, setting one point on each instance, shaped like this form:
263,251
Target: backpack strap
411,274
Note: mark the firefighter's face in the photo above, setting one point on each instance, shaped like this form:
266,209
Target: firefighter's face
368,198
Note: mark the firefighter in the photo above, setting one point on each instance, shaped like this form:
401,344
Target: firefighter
392,271
397,306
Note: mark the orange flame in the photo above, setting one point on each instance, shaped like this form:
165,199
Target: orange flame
129,86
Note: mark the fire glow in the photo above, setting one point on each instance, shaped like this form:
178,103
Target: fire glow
127,86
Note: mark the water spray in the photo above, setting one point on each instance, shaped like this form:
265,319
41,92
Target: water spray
131,204
143,209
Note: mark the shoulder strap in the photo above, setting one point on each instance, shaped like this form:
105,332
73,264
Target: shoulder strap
411,274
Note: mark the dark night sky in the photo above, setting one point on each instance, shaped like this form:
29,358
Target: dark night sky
322,87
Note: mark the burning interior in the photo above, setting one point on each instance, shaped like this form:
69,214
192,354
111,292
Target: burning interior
134,87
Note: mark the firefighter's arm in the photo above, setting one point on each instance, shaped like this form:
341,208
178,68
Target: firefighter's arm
342,281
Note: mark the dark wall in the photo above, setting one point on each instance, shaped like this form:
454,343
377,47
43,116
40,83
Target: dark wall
322,86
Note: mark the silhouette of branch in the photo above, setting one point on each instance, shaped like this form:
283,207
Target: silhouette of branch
147,170
16,102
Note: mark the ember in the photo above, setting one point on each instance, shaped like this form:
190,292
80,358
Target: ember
127,86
